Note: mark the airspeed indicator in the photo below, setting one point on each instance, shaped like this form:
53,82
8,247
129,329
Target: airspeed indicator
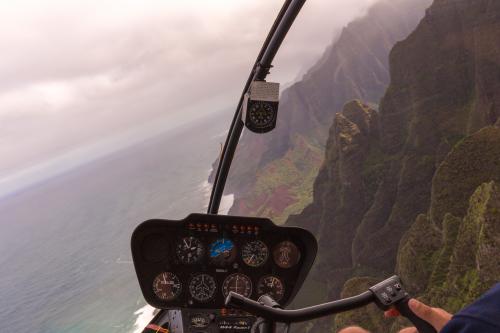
167,286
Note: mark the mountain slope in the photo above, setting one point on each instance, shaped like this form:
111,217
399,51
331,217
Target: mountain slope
444,93
355,66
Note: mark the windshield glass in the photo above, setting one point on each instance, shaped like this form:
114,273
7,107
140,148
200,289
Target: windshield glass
112,113
116,112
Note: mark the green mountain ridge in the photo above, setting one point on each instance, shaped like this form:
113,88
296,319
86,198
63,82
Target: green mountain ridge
417,198
354,66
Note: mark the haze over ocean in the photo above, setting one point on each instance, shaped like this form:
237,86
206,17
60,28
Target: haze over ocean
65,243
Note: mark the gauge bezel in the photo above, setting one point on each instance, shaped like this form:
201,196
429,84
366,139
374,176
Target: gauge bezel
212,293
297,250
267,108
260,263
200,246
217,261
171,277
261,281
225,293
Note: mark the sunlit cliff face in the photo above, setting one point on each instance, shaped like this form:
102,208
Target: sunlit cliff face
73,73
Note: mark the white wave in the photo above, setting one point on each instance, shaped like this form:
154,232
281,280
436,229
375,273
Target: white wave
144,317
206,189
226,203
121,261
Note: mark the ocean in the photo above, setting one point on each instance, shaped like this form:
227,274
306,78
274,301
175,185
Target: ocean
65,261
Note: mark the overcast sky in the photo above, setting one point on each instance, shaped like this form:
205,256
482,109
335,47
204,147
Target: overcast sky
77,73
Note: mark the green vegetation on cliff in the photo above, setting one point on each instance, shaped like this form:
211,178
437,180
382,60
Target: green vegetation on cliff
467,263
458,256
424,192
284,186
474,161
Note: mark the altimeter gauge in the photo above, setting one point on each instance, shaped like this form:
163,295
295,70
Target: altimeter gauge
286,254
167,286
254,253
238,283
272,286
202,287
190,250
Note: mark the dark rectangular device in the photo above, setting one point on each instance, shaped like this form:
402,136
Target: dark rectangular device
260,106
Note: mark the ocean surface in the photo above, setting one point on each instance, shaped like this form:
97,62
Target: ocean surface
65,261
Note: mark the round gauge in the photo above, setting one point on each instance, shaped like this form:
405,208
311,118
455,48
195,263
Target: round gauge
190,250
272,286
222,252
202,287
286,254
261,114
167,286
238,283
200,320
254,253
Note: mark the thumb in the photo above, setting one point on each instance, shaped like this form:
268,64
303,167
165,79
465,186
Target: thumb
436,317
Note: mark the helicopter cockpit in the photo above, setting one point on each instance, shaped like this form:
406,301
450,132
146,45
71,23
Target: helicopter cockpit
195,263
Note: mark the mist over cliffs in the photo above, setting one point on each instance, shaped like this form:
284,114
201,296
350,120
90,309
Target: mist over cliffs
272,174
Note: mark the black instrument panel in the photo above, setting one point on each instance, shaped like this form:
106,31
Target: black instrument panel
196,262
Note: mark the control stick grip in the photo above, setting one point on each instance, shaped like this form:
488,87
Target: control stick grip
421,325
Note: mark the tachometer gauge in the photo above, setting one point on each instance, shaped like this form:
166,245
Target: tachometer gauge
167,286
190,250
202,287
238,283
286,254
272,286
255,253
222,252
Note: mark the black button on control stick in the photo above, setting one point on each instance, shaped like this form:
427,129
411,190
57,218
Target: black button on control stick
399,300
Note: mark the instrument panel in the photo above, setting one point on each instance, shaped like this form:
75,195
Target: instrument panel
196,262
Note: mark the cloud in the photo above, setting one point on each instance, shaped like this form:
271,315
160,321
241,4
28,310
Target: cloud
73,73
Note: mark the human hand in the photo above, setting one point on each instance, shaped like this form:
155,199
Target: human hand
437,317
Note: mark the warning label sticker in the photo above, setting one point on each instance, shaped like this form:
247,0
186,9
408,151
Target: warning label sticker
265,91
